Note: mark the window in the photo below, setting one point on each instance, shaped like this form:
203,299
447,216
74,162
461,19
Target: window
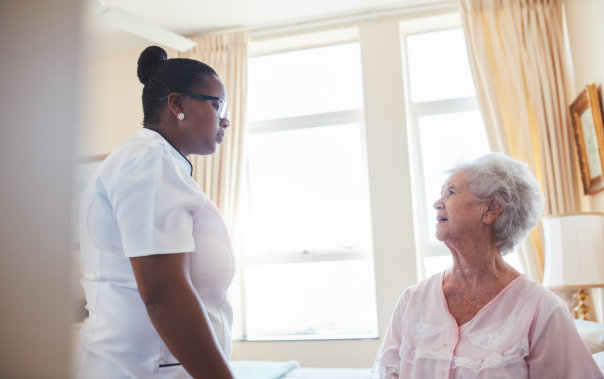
308,267
445,122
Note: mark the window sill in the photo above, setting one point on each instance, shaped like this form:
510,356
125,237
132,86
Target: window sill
314,337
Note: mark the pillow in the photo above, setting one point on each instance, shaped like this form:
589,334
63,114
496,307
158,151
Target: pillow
592,333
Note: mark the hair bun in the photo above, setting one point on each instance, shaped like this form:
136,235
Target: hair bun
149,61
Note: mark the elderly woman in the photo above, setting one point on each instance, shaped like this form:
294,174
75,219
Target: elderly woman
481,318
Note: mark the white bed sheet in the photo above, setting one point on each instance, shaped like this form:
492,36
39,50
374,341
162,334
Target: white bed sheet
351,373
328,373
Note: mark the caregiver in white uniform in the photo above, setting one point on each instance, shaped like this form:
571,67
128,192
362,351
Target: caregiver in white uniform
156,255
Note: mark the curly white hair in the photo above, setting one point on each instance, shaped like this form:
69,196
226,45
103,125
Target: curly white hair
510,183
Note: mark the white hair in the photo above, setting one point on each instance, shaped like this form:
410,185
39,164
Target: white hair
510,183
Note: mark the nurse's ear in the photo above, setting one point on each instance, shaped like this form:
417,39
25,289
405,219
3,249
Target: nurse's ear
175,104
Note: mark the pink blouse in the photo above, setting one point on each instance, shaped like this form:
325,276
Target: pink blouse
525,332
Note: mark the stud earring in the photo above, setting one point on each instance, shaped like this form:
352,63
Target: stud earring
180,116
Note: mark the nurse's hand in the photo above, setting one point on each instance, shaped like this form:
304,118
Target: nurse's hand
178,314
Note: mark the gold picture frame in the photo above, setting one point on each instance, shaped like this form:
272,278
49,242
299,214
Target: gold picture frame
588,127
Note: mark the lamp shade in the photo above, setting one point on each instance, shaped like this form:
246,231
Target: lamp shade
574,250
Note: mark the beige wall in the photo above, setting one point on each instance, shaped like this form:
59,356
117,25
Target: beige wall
586,33
112,105
112,101
38,111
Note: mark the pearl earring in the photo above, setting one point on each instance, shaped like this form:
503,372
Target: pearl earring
180,116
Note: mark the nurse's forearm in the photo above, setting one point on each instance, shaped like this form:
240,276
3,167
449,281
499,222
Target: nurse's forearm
183,326
178,315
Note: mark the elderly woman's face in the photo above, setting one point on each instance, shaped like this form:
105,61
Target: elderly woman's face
459,212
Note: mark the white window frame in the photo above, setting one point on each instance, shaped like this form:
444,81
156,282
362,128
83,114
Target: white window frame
318,120
416,111
422,215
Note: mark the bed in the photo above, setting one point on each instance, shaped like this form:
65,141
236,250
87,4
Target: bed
592,334
292,370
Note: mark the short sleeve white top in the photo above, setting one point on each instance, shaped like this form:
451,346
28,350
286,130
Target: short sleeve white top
143,201
524,332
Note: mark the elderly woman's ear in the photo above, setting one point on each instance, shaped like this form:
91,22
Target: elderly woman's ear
492,213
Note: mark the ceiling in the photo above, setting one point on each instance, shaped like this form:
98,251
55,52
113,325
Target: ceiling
191,17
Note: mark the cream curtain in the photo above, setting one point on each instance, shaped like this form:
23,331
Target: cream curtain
220,175
521,72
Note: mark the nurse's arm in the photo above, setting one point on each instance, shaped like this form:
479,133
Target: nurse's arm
178,314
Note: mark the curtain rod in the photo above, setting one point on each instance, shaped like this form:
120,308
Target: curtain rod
279,28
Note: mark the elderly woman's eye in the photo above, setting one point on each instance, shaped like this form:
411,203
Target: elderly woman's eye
216,105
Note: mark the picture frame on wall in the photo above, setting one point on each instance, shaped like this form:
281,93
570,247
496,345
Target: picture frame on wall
588,127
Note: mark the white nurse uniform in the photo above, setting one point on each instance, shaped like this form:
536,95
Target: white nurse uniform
143,201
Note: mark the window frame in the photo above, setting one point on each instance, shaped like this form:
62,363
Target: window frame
415,111
316,120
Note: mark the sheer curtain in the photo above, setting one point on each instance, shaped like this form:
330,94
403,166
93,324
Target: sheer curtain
521,72
219,175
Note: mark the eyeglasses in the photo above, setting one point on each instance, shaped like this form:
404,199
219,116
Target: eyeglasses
223,110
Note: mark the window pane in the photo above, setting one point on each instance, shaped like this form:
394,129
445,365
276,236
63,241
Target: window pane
445,140
319,80
308,300
308,190
438,66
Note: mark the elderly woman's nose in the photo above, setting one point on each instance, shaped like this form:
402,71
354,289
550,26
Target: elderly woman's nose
438,204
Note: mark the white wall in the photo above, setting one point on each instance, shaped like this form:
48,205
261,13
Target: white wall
586,36
38,110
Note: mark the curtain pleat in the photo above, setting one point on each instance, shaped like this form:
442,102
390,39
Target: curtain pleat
521,72
219,175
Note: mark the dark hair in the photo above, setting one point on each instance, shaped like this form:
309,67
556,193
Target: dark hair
162,76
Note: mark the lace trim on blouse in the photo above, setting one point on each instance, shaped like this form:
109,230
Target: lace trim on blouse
512,355
422,329
491,337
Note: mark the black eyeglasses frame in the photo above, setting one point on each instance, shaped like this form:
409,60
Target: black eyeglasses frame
222,109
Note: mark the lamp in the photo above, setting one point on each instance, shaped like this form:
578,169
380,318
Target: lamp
574,254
